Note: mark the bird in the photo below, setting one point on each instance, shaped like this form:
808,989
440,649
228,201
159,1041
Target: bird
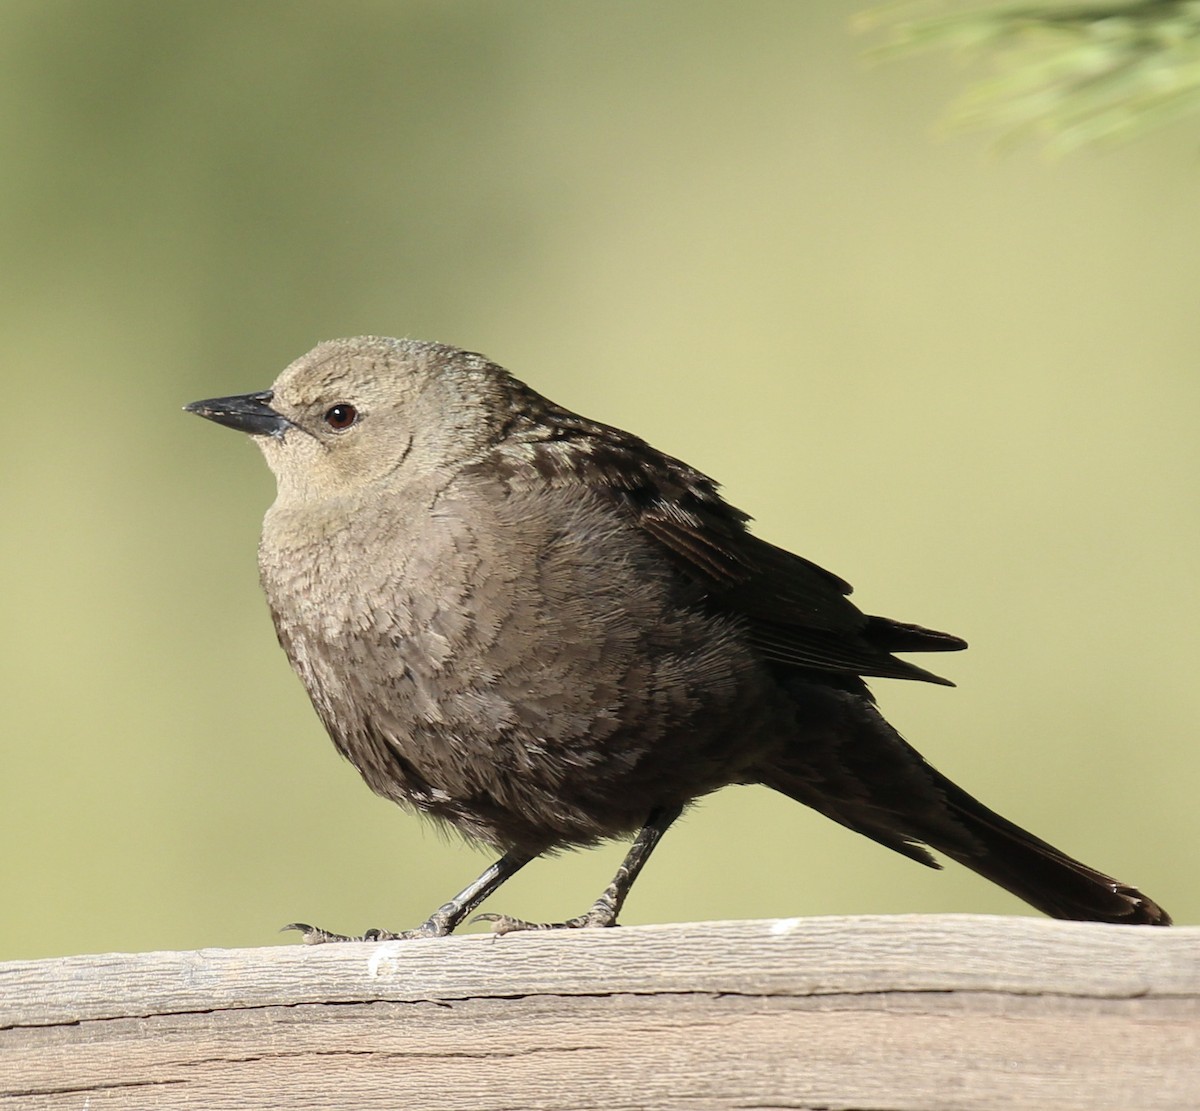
545,633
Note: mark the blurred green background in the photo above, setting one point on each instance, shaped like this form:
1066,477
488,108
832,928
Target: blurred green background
966,383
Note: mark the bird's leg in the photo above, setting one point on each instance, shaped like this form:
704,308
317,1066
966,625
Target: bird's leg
443,920
604,910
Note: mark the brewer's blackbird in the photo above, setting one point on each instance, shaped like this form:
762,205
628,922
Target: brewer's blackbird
541,630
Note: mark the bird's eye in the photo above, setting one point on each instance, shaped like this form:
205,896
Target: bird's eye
341,416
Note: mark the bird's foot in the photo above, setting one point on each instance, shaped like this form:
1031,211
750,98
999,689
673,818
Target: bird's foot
314,935
601,915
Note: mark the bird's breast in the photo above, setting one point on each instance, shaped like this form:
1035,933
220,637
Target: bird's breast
504,653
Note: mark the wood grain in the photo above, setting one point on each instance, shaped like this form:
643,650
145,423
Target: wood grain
947,1012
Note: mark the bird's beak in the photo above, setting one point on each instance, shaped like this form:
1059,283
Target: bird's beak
249,412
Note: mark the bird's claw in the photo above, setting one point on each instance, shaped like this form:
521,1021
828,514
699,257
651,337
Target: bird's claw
506,924
314,935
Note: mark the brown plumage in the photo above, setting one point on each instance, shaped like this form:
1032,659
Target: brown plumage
543,631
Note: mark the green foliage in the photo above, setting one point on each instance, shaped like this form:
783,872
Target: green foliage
1074,75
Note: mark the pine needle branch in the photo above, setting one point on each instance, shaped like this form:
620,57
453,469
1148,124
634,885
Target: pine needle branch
1070,75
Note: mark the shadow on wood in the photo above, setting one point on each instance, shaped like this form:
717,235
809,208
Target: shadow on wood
958,1013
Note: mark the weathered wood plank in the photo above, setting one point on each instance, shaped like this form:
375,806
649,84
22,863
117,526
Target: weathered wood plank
960,1013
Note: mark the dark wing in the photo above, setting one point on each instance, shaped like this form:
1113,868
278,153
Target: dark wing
798,614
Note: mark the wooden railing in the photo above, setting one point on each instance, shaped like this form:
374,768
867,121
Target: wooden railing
954,1013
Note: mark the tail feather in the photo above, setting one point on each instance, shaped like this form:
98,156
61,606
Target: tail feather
852,766
1040,874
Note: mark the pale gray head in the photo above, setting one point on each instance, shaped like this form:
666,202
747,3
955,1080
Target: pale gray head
354,411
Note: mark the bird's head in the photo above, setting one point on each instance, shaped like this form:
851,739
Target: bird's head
353,412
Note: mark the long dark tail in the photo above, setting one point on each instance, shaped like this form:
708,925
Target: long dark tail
1042,875
854,767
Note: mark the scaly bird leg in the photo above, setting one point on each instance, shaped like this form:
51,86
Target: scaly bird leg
604,910
443,920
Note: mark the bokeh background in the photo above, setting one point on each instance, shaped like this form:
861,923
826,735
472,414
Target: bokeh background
966,382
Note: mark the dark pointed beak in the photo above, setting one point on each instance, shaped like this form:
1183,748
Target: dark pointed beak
248,412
